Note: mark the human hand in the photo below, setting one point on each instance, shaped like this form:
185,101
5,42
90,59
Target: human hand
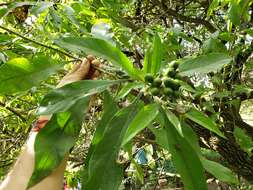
82,70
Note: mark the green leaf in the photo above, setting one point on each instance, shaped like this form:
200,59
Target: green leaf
212,7
174,120
204,121
161,137
211,62
110,109
234,13
2,57
146,115
101,48
148,61
29,73
156,55
153,57
3,12
61,99
54,141
103,160
243,140
5,39
40,7
103,31
213,45
184,157
191,137
185,86
219,171
249,31
70,14
139,171
127,88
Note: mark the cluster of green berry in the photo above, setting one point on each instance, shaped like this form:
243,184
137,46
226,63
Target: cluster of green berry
168,83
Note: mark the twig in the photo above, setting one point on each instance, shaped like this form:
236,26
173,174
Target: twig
4,165
8,160
78,164
145,140
103,71
13,111
5,4
13,145
40,44
159,175
54,49
199,21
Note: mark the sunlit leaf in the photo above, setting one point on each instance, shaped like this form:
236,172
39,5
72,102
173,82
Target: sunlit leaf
174,120
216,169
139,172
110,108
20,74
103,159
243,140
61,99
156,55
204,121
219,171
211,62
153,57
40,7
101,48
55,140
103,31
234,13
127,88
213,45
214,4
146,115
186,160
70,14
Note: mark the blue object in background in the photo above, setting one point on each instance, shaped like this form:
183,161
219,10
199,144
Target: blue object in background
79,186
141,157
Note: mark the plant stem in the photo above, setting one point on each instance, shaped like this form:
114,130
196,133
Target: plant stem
54,49
13,111
39,43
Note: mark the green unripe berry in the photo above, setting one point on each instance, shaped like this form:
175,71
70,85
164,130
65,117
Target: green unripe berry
174,64
170,72
211,74
171,83
157,82
155,91
176,84
168,82
149,78
251,93
178,76
176,94
167,91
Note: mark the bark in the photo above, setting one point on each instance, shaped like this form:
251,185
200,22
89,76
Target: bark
238,160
